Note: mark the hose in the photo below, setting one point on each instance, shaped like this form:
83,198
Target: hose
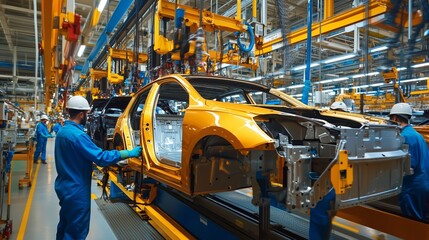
252,40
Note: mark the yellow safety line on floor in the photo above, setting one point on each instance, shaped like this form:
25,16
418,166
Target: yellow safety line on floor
27,209
351,229
93,196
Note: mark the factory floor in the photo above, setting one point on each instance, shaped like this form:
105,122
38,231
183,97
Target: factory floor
34,210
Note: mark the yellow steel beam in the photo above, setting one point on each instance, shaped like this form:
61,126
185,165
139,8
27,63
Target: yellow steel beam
210,21
97,73
50,10
420,92
128,55
328,9
347,18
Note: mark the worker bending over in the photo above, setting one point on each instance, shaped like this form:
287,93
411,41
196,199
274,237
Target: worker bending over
414,199
74,154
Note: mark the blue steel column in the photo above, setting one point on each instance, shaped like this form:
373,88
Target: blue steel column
307,75
120,10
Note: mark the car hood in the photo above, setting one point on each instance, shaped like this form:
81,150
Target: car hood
336,118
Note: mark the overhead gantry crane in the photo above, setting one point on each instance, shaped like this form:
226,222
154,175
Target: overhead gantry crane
55,22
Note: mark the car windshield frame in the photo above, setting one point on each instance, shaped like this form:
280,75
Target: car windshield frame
240,92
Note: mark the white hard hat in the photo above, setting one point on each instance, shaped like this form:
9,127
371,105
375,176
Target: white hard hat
44,116
78,103
339,106
401,109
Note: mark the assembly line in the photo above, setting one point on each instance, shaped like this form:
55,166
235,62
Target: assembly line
269,119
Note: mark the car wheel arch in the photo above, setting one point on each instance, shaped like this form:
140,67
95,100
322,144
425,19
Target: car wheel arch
224,174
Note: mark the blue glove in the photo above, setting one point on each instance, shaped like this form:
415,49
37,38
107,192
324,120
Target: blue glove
136,152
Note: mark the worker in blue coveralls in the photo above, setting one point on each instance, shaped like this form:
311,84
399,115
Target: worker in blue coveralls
414,198
58,125
42,135
74,154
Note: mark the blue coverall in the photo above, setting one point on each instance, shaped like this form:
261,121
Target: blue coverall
56,127
321,217
414,197
42,135
74,154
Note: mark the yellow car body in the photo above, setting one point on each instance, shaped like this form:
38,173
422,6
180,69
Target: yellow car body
203,134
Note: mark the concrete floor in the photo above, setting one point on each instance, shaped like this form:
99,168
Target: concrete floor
35,215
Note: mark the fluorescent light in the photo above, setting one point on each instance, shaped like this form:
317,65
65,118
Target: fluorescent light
372,73
332,80
296,86
300,67
101,5
358,75
363,75
339,58
415,79
326,81
281,89
420,65
401,69
341,79
377,49
376,84
81,49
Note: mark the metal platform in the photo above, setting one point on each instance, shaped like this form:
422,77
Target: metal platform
125,223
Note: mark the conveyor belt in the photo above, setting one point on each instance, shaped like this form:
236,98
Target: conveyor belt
293,222
125,223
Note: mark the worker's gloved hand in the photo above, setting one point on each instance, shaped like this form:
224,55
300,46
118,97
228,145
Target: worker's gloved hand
50,136
136,152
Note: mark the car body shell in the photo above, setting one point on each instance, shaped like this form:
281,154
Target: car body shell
225,145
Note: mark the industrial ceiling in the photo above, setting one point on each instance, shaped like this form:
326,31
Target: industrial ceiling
360,41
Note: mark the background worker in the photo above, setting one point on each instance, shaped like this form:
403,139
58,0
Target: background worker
414,199
58,125
42,135
74,154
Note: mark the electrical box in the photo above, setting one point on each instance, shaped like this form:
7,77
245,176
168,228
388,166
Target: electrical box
259,29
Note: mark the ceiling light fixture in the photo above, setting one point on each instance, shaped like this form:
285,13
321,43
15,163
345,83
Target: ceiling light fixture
300,67
81,49
339,58
420,65
415,79
363,75
101,5
296,86
341,79
377,49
